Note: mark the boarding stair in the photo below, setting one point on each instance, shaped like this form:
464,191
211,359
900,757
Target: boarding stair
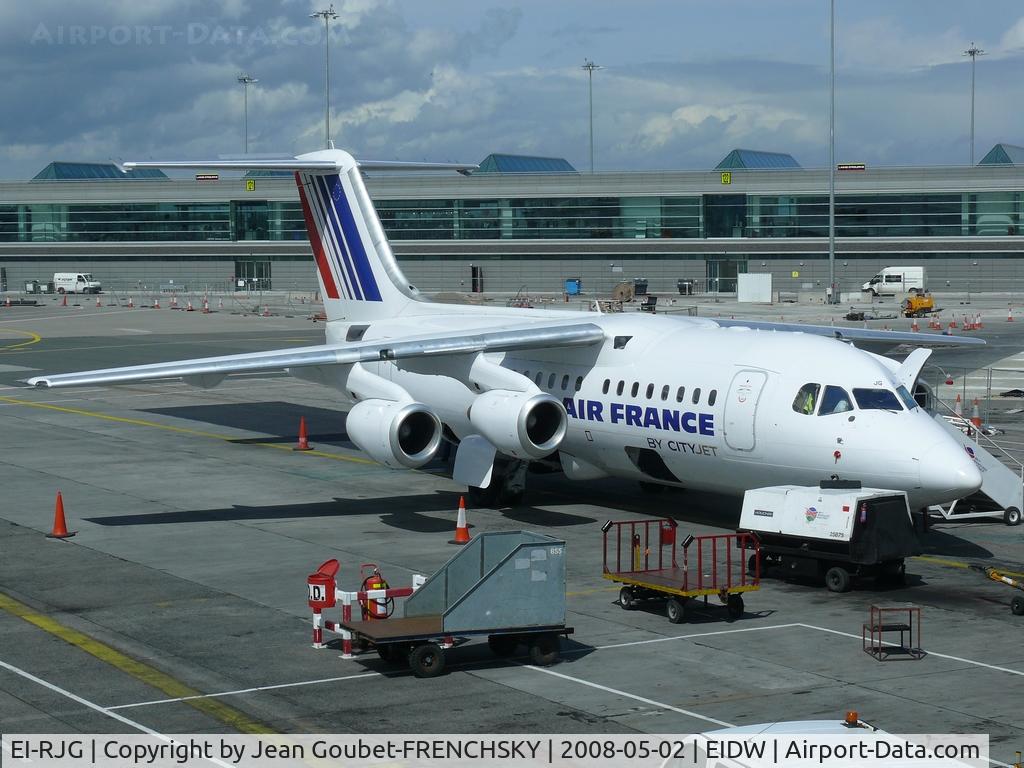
1002,486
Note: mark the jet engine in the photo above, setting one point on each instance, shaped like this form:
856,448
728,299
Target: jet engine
395,434
521,424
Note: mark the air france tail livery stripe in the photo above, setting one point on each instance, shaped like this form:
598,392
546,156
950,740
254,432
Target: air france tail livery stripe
357,252
326,277
321,199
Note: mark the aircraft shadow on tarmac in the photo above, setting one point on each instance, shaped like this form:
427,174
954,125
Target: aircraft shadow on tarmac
279,420
414,513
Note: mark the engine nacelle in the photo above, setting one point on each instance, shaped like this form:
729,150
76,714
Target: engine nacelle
524,425
395,434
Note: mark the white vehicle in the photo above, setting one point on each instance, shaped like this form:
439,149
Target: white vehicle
893,280
719,405
75,282
836,530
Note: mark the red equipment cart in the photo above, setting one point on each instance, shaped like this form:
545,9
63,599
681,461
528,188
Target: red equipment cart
641,555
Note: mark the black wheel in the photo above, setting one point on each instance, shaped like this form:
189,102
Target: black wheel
838,579
484,497
1011,516
674,610
511,498
651,488
1017,606
734,606
627,600
427,660
503,645
60,290
544,649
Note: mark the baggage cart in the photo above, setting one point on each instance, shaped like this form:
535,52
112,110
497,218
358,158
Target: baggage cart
643,556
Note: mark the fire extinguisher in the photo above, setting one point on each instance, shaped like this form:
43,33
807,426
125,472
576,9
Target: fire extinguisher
380,607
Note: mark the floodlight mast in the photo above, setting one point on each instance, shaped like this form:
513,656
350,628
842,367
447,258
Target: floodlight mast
974,52
590,67
327,15
833,294
246,81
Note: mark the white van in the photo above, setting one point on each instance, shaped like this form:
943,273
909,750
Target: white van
75,282
893,280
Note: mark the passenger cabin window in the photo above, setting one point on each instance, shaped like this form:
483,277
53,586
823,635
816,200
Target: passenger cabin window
650,391
537,378
712,396
619,388
551,381
664,392
680,394
579,383
565,382
806,399
636,389
604,389
877,400
834,400
696,396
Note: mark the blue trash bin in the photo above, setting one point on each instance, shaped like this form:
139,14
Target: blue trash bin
573,286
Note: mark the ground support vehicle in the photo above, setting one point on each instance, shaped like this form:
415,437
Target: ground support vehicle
642,556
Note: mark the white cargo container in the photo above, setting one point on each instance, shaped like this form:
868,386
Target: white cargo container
895,280
837,531
75,282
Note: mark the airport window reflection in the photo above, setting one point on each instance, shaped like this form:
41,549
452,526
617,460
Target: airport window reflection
877,400
834,400
806,399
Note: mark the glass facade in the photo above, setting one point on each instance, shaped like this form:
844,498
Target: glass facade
627,217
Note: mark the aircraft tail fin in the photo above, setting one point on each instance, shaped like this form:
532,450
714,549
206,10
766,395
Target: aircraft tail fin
358,275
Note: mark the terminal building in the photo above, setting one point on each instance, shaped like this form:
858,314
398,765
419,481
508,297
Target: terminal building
525,223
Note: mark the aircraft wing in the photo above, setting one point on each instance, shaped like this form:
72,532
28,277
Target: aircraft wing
868,336
209,371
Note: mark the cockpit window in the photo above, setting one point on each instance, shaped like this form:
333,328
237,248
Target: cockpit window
907,398
834,400
806,399
877,400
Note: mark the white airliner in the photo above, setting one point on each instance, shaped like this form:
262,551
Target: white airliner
713,405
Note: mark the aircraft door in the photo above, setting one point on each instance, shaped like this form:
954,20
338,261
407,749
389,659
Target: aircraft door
741,409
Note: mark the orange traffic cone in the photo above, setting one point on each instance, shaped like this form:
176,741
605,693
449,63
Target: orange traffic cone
98,302
303,444
7,302
461,527
156,303
266,311
977,322
975,415
174,301
189,308
60,525
64,303
1009,315
206,306
131,302
958,406
914,326
952,323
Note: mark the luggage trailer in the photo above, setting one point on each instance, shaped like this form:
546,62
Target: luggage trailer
642,556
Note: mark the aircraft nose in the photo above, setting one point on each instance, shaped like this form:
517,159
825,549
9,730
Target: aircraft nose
948,471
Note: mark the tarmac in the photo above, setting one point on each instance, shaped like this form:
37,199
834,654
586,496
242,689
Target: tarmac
180,605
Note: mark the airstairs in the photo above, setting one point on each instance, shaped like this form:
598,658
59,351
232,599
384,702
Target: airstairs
1002,488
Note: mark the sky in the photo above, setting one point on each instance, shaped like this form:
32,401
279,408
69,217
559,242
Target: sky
683,81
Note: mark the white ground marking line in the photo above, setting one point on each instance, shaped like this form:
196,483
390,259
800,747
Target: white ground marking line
132,330
96,707
684,637
79,699
1017,672
246,690
69,315
617,692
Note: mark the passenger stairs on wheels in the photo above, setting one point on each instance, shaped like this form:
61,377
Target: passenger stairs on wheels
1002,488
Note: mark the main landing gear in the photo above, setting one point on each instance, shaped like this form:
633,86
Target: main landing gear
507,488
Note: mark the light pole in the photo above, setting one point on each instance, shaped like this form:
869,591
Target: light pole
326,15
590,66
833,294
974,52
246,81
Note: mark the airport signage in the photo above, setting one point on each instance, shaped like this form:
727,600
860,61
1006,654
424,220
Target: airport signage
207,176
851,167
726,177
250,185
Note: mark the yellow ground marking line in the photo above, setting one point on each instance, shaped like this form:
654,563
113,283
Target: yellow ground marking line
958,564
34,338
137,669
176,430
